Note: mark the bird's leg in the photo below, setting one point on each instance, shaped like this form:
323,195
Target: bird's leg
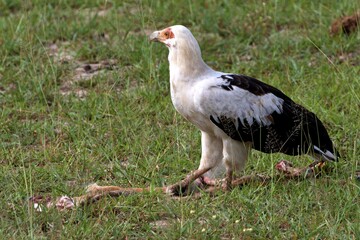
211,157
227,184
235,154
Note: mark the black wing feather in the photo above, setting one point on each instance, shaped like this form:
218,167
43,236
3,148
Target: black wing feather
295,131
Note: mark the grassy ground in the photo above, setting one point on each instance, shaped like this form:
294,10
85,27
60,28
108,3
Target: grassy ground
65,124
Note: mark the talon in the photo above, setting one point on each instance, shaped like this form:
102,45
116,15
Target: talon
227,184
209,181
185,189
177,190
186,186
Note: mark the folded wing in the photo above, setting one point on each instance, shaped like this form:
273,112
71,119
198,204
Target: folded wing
249,110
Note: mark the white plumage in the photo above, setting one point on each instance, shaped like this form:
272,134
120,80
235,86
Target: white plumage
236,113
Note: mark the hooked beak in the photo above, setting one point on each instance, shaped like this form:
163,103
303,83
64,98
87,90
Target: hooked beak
154,37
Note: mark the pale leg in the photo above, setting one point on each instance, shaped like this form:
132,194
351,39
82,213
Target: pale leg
211,166
212,155
235,155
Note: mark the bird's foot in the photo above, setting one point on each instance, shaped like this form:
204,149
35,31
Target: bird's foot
188,185
178,189
225,183
228,183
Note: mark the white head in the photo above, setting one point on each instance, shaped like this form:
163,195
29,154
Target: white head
175,36
184,50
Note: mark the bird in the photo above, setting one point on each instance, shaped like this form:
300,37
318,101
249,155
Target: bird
236,113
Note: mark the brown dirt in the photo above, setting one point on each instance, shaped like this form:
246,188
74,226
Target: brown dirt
84,71
346,24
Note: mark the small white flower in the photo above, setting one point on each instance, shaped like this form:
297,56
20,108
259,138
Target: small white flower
247,229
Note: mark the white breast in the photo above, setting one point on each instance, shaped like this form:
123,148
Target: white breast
183,98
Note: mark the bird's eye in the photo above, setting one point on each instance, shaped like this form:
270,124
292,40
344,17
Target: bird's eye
168,34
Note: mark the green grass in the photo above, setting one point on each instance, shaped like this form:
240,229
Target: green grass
57,134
